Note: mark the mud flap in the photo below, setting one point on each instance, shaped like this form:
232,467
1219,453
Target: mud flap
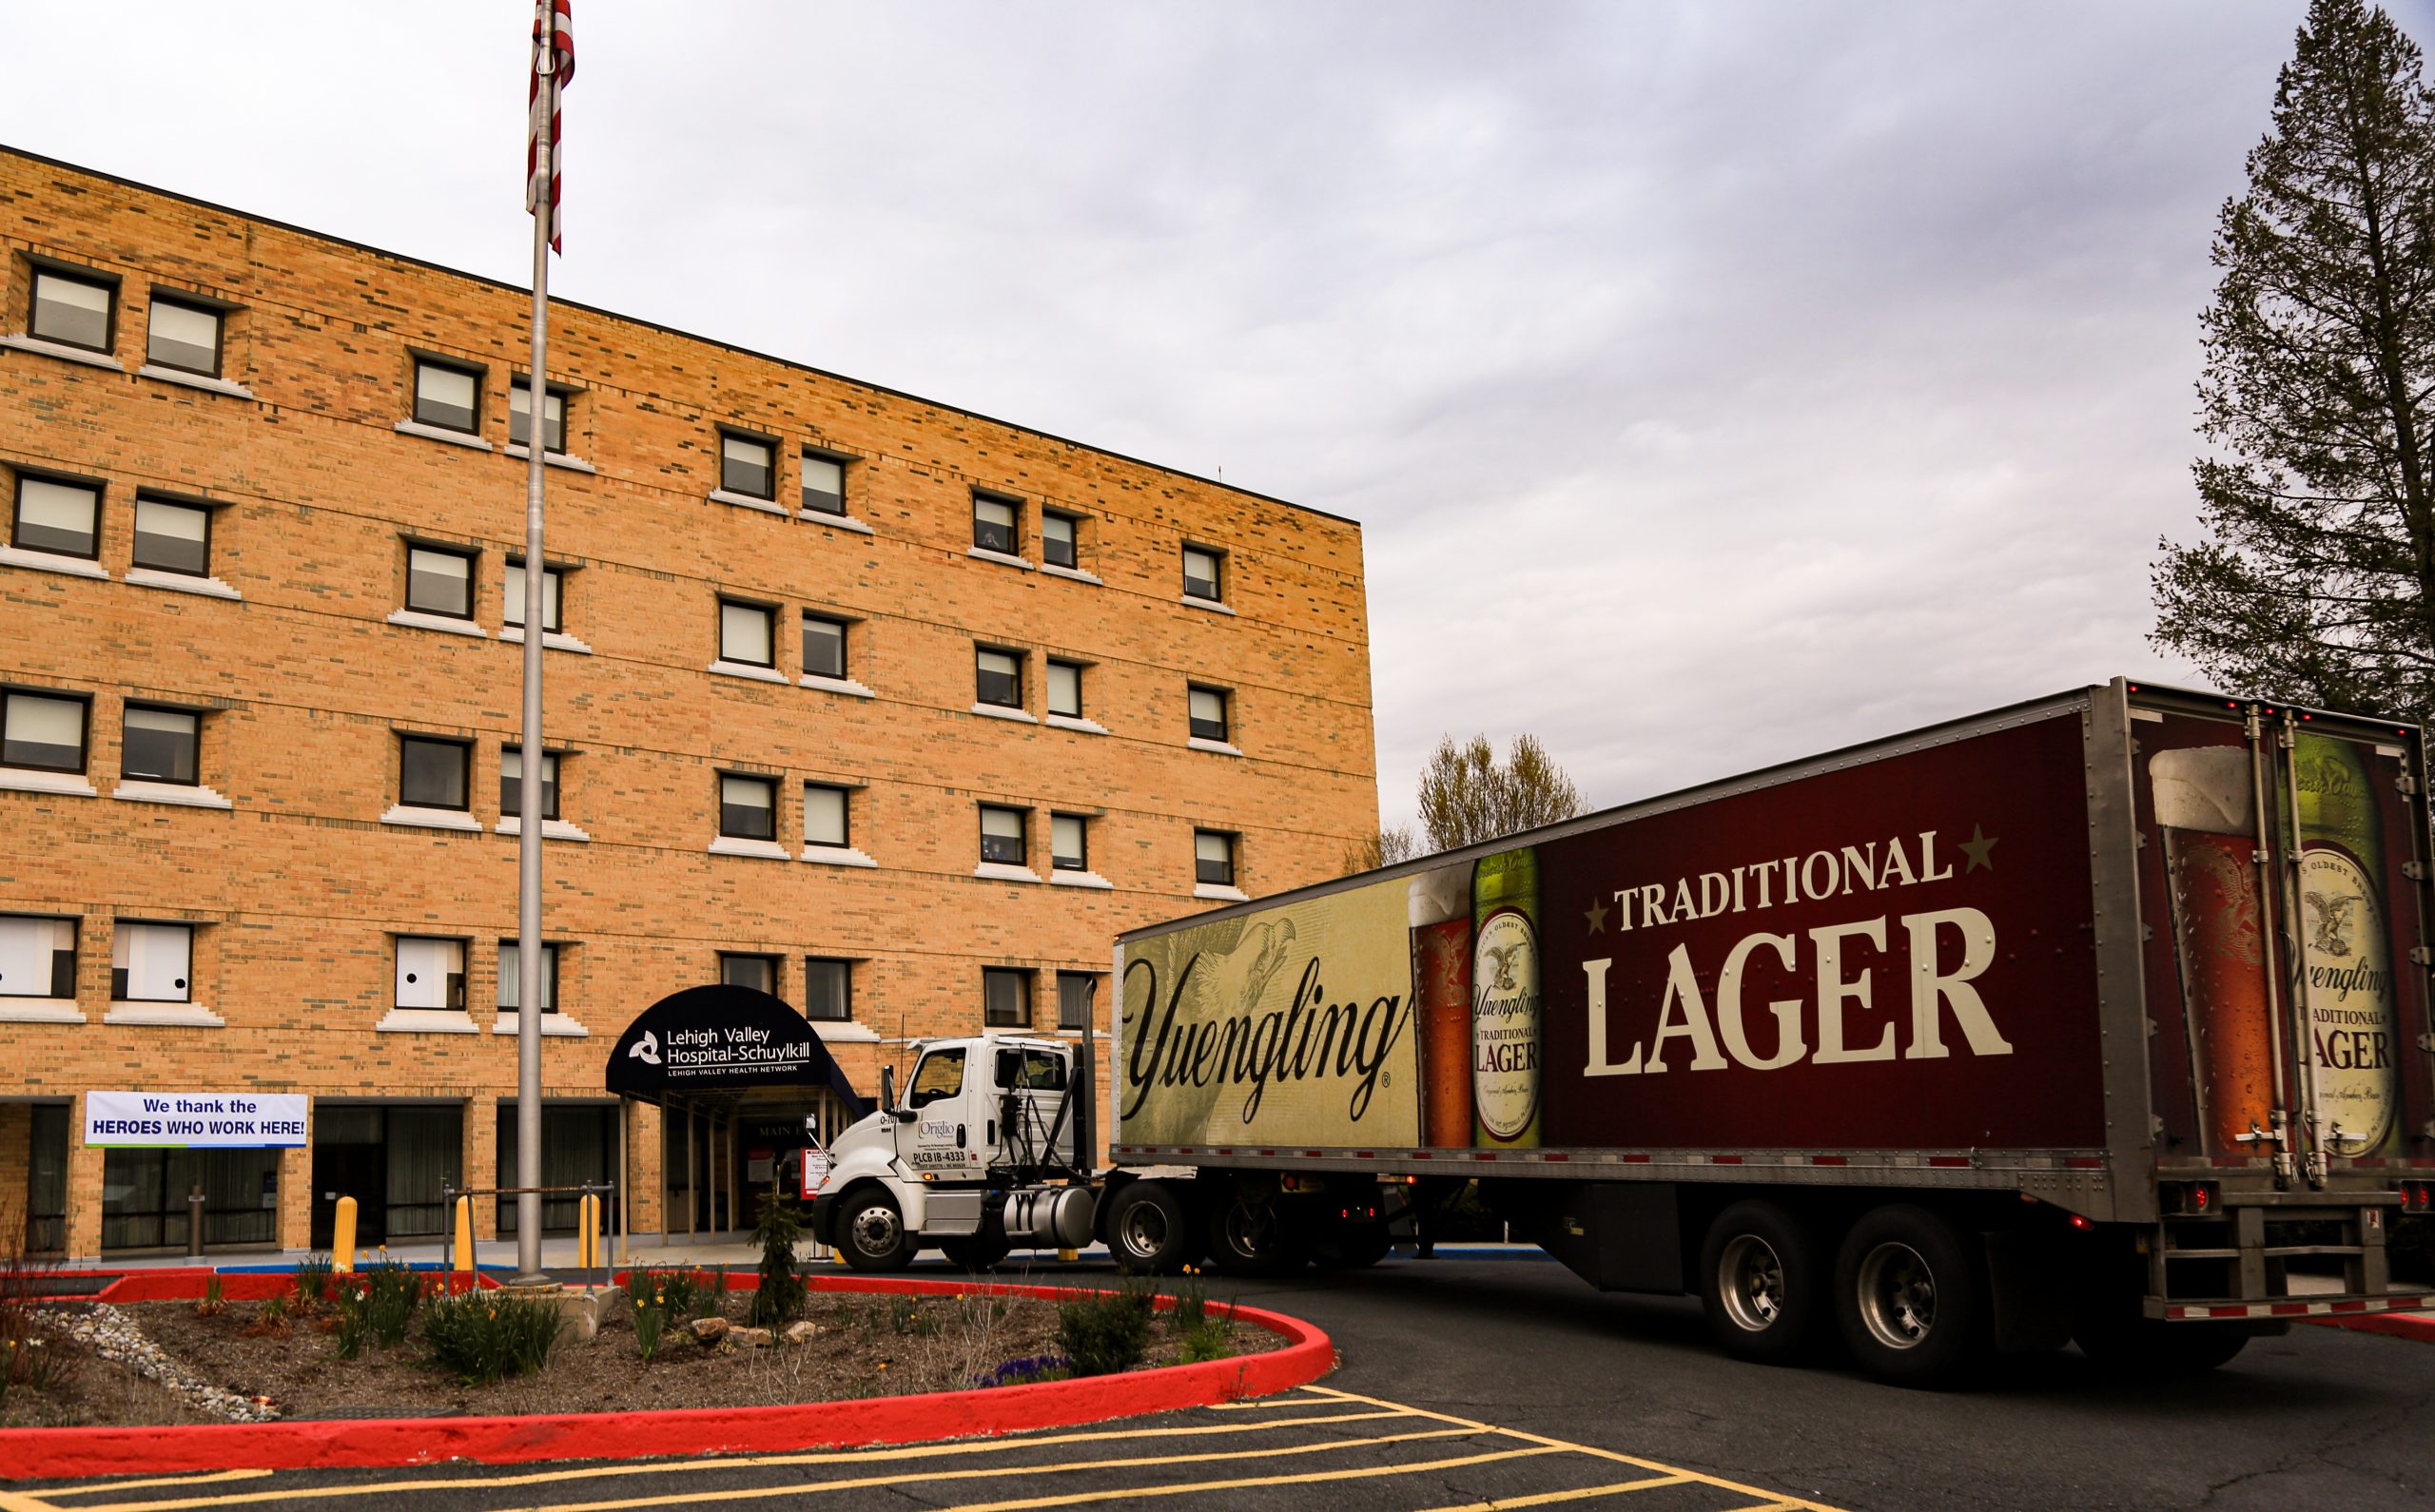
2031,1304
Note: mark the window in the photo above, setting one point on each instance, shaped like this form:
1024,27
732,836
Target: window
59,516
1074,990
1067,847
760,973
939,1075
511,977
747,807
447,396
43,730
440,581
748,634
1208,714
1065,689
993,524
1002,835
158,744
1000,678
431,773
1212,858
1057,539
510,782
824,484
824,814
824,646
151,962
184,335
37,956
828,989
551,581
1005,997
1202,577
747,466
73,310
431,973
171,537
520,416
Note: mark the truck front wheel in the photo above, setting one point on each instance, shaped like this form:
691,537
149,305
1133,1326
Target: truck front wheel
1149,1230
870,1232
1911,1300
1763,1283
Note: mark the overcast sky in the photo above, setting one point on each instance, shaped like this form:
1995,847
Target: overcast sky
1715,383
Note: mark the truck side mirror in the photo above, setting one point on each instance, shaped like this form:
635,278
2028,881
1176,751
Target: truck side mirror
888,1087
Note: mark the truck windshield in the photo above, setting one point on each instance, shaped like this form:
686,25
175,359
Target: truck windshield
939,1075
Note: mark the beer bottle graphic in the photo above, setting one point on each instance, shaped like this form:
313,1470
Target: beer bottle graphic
2345,947
2206,812
1506,1005
1440,909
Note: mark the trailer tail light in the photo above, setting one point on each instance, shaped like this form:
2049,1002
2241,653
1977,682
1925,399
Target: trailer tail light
2417,1197
2081,1222
2194,1199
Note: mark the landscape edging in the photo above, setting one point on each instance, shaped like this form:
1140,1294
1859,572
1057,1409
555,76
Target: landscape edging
27,1453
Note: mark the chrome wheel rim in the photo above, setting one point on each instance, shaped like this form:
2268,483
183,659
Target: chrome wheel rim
1145,1231
876,1229
1897,1296
1750,1277
1250,1231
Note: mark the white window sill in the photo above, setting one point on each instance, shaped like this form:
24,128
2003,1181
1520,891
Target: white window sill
181,583
1078,879
761,849
1209,604
835,856
834,685
165,1014
758,674
551,640
1085,726
1001,712
511,1023
27,780
40,1011
195,797
1000,872
1215,747
1052,569
835,522
986,555
426,1022
573,464
417,619
51,562
551,829
440,432
1221,893
844,1032
745,501
195,380
63,351
410,817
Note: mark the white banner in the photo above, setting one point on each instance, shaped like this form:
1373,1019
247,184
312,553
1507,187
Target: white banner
195,1120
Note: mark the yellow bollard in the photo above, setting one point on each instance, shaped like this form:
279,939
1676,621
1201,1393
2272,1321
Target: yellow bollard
587,1239
342,1238
462,1255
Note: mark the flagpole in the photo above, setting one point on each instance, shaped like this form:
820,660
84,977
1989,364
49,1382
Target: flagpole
528,825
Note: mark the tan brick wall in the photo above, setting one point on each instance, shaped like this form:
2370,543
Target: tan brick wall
299,891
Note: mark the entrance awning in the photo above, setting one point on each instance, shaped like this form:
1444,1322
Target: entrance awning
722,1043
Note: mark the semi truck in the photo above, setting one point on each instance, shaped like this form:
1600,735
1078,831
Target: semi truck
2101,1018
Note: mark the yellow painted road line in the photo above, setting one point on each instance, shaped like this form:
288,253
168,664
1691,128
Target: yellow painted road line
1363,1472
733,1461
1271,1402
20,1502
983,1472
1770,1501
1581,1494
99,1487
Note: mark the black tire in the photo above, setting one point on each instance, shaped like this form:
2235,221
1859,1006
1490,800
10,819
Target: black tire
1764,1284
1248,1236
2151,1348
870,1232
1149,1228
975,1254
1353,1246
1911,1297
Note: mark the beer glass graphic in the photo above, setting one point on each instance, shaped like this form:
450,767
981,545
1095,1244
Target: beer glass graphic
2206,809
1441,983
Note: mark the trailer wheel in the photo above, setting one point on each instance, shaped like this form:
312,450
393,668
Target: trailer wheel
1763,1283
1353,1246
974,1253
1149,1230
1911,1299
870,1232
2151,1346
1248,1236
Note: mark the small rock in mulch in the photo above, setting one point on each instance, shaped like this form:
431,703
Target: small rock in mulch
709,1330
748,1338
801,1330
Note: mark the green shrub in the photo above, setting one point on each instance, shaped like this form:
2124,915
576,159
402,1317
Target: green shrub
651,1321
313,1278
1105,1333
482,1337
1190,1302
781,1294
377,1303
682,1292
1212,1338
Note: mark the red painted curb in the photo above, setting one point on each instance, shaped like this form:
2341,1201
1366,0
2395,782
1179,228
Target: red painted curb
25,1453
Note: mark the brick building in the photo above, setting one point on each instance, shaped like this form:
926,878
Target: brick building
897,710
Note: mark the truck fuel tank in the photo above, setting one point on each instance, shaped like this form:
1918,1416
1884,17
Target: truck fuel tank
1057,1217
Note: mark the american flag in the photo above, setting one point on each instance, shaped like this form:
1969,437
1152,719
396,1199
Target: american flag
552,69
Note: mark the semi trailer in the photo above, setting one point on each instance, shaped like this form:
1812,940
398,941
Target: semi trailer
2099,1017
